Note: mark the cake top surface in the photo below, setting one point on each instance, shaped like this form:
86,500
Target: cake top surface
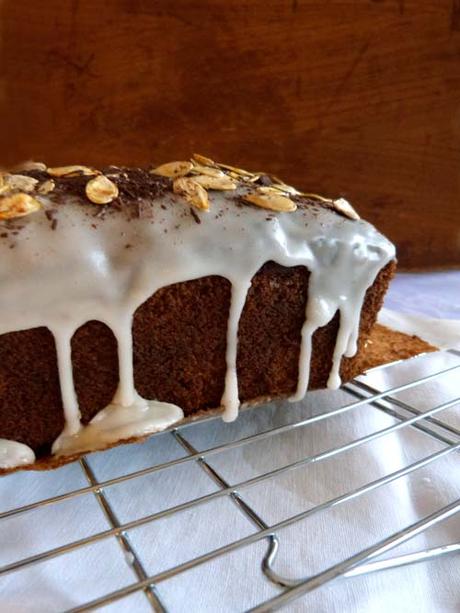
79,243
136,193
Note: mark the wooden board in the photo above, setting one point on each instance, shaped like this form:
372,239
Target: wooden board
357,98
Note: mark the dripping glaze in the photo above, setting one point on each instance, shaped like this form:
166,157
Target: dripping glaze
62,279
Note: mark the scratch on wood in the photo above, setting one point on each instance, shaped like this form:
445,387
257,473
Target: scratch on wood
341,86
81,67
347,76
294,6
455,16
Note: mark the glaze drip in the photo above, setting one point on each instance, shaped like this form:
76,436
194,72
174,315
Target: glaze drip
230,399
13,454
84,271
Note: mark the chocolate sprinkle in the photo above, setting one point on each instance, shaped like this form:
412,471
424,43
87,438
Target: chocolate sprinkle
264,180
194,214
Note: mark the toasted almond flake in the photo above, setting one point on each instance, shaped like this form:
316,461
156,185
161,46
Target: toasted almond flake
271,201
207,170
192,191
30,165
221,183
3,182
18,205
288,189
101,190
276,179
316,197
202,159
238,171
240,177
22,183
343,206
173,169
71,171
236,176
46,187
278,188
270,189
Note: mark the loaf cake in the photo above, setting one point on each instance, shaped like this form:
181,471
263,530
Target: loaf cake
132,299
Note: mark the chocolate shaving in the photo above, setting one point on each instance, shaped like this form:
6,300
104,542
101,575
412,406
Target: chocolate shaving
194,214
264,180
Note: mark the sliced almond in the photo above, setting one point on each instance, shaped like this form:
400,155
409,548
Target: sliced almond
239,177
282,188
101,190
192,191
210,171
71,171
22,183
173,169
221,183
343,206
317,197
46,187
270,189
276,179
287,189
202,159
271,201
18,205
279,188
30,165
236,176
238,171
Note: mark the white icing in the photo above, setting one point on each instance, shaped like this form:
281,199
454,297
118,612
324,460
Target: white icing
62,338
14,454
116,423
230,398
64,278
345,266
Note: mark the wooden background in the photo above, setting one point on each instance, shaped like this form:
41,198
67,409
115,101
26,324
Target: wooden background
358,98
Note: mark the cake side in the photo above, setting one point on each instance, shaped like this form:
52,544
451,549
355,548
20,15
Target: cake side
37,425
169,291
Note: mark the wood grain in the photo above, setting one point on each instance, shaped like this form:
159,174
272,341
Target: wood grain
357,98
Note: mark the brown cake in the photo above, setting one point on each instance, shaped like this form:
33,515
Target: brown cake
194,285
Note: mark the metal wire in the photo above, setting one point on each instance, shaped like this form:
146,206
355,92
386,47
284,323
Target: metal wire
361,562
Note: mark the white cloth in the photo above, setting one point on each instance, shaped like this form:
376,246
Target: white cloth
425,304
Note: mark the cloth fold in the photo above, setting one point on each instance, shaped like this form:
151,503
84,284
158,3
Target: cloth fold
442,333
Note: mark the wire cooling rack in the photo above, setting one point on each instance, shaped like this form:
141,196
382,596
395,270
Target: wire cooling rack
348,499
